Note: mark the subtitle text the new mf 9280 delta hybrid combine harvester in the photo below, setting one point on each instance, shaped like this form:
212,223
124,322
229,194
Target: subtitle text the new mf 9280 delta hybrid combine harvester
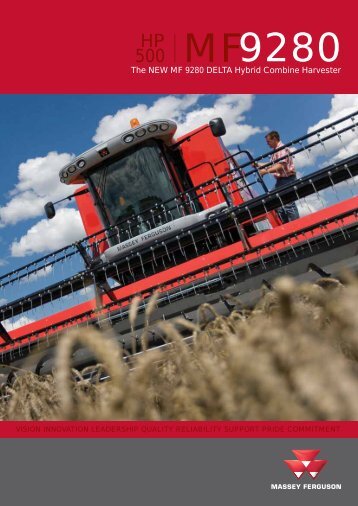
183,218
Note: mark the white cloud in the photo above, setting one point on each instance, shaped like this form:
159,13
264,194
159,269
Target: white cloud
188,112
45,271
337,148
48,235
311,204
87,293
348,149
341,105
3,301
19,322
38,183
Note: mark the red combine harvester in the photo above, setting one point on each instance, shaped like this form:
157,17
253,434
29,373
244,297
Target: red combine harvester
181,217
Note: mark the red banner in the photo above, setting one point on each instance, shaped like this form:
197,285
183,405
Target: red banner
187,429
185,47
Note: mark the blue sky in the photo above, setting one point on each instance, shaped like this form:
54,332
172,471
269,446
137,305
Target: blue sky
34,126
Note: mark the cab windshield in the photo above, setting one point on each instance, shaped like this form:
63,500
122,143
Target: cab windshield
133,185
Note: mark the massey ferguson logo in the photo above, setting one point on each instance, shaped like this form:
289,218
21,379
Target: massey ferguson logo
306,463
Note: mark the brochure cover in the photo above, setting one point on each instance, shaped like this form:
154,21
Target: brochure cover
178,270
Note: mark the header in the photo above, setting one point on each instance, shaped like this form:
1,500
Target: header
179,48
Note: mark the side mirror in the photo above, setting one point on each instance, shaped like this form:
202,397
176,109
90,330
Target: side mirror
217,127
50,210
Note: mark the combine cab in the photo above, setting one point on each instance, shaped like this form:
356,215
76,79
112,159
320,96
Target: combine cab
184,218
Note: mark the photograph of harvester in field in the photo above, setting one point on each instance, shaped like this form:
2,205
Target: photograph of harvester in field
181,217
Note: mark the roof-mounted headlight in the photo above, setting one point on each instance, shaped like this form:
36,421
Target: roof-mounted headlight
140,132
128,138
80,164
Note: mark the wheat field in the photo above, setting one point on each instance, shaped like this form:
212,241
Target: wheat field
294,356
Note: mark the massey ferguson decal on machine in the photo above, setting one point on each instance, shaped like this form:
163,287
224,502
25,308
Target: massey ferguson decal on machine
184,218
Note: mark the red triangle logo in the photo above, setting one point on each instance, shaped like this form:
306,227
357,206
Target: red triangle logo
306,463
306,454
